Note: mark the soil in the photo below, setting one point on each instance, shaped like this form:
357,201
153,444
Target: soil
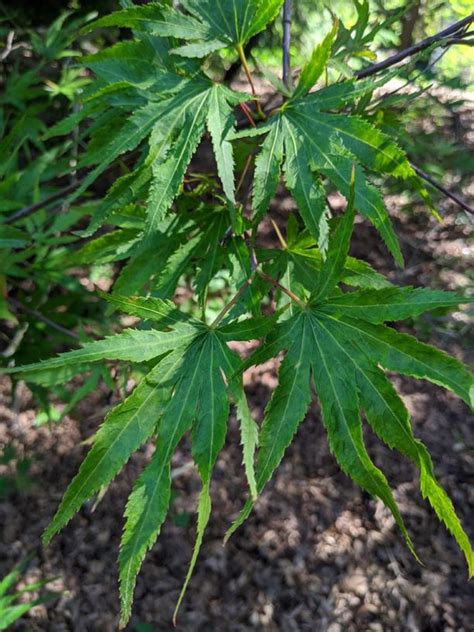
317,554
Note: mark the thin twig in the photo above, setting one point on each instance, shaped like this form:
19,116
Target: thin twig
452,196
286,42
233,301
281,239
461,41
245,170
10,46
416,48
33,208
248,114
44,319
282,288
248,74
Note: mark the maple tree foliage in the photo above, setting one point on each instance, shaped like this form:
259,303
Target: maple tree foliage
155,95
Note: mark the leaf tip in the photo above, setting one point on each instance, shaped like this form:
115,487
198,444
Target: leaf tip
47,536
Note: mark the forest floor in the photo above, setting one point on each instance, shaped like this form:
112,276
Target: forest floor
316,555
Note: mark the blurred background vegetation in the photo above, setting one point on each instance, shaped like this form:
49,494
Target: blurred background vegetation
311,21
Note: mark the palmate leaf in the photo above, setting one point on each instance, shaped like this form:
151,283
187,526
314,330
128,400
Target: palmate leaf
170,157
168,105
225,22
340,352
190,386
175,127
344,367
199,401
153,99
131,133
124,430
310,143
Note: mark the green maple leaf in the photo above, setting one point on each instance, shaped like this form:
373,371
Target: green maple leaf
309,143
152,97
146,98
338,343
190,387
207,26
173,127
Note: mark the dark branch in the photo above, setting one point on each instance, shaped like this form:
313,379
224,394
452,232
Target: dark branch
47,321
286,42
439,187
29,210
454,29
463,41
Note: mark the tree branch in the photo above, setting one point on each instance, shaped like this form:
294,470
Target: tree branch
29,210
226,309
282,288
416,48
452,196
43,318
286,42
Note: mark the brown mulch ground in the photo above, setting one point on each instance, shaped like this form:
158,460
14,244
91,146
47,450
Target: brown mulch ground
317,553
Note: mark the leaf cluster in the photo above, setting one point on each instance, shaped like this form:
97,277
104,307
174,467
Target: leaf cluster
155,103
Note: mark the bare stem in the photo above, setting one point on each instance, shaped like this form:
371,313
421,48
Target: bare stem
43,318
281,239
283,289
248,114
29,210
233,301
245,66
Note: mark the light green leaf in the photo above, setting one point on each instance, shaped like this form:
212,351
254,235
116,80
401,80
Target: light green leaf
131,345
168,175
389,304
158,310
124,430
405,354
267,170
140,18
248,439
286,409
132,132
148,504
340,408
316,64
220,122
389,418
